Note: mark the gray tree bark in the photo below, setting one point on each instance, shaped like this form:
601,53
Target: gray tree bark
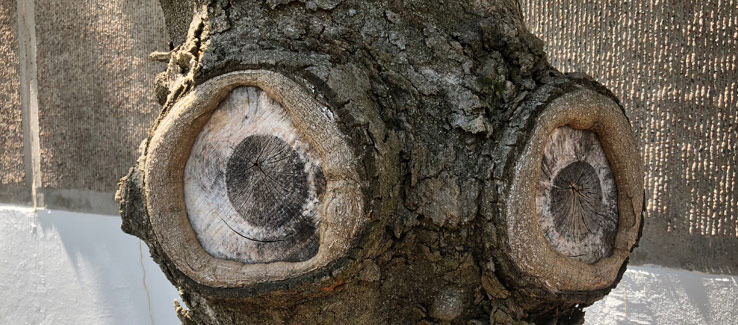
437,101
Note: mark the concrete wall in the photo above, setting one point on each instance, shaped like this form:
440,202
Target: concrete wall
72,129
95,80
13,184
657,295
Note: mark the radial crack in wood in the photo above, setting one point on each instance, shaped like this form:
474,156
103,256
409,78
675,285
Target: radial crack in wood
576,200
252,184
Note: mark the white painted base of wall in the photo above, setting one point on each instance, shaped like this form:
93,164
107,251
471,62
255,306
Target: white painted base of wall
655,295
62,267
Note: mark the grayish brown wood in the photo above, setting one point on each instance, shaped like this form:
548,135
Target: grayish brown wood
266,181
576,200
252,183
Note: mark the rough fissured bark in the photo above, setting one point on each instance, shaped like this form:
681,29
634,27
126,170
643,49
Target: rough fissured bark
435,99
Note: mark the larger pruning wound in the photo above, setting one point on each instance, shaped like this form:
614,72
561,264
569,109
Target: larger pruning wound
249,181
576,200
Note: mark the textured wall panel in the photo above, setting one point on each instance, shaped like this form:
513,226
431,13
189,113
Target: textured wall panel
12,168
95,82
11,126
674,66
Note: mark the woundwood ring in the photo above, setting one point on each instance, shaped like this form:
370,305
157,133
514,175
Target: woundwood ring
558,236
330,217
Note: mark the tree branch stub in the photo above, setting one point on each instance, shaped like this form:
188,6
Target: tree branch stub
181,150
570,126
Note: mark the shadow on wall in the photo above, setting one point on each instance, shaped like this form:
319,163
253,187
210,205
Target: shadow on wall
78,268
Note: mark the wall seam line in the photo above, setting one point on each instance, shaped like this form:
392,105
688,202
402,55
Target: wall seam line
146,287
29,97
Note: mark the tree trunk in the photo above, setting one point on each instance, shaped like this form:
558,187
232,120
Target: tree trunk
372,162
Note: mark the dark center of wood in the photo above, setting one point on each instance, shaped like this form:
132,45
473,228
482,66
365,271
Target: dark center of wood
576,197
266,181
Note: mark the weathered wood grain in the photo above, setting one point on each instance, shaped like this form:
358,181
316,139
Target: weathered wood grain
252,184
576,200
266,181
